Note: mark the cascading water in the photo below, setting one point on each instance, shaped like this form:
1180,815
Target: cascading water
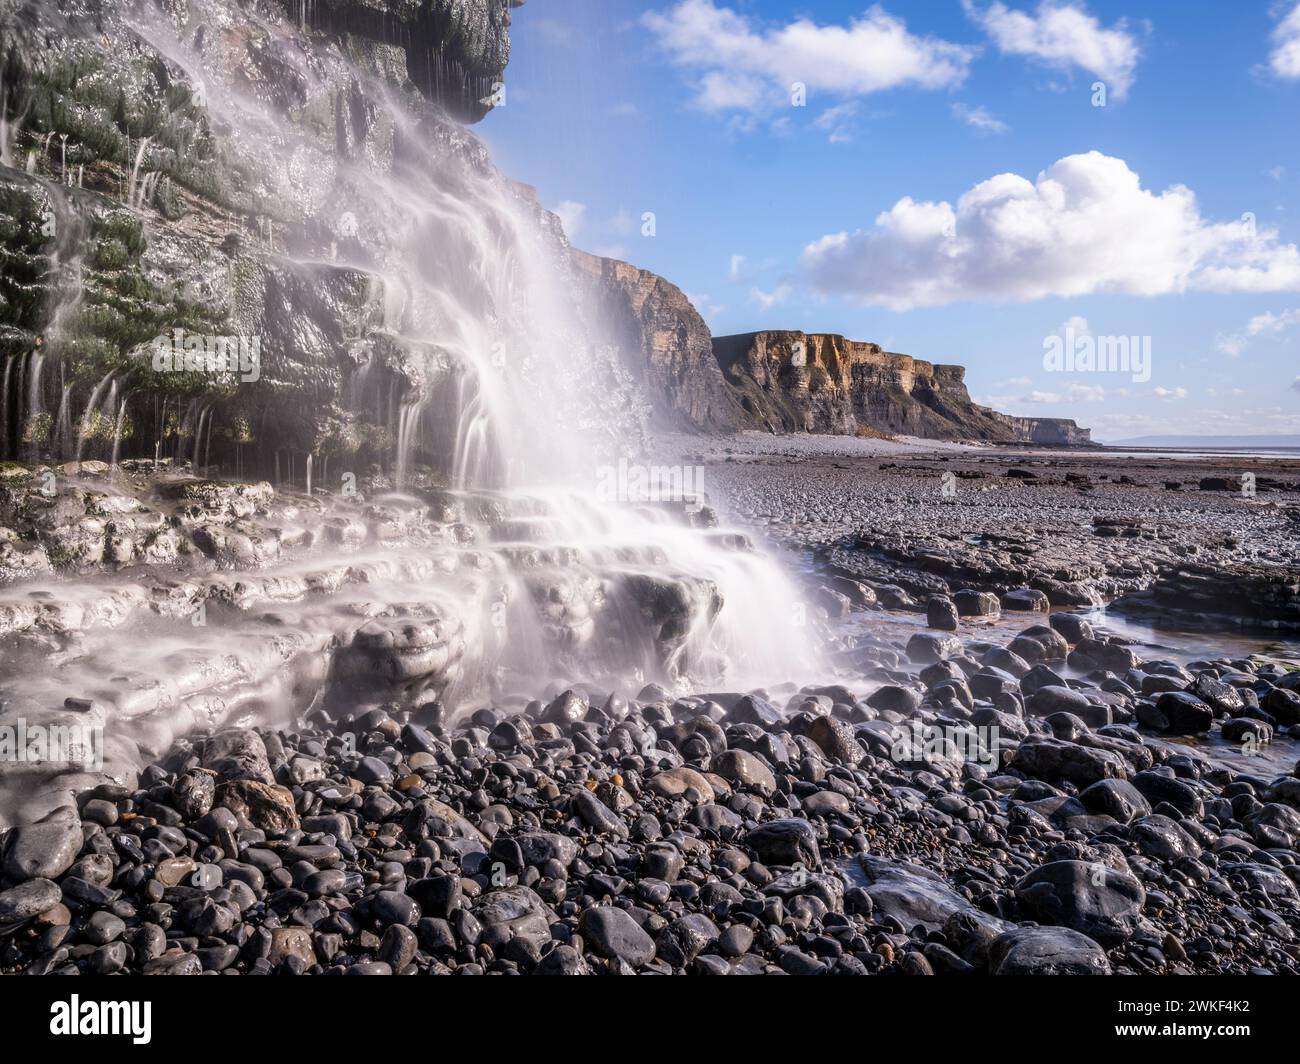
500,562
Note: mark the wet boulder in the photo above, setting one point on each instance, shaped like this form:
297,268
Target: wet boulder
1098,901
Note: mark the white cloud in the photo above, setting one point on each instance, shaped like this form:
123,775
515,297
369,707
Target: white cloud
1284,60
980,118
837,121
1276,172
1085,225
1076,393
704,303
1170,393
1063,36
1077,325
768,300
1295,385
1175,420
570,213
734,269
738,64
1266,324
625,110
554,32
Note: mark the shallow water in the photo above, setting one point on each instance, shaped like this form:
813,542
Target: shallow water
1289,454
1181,646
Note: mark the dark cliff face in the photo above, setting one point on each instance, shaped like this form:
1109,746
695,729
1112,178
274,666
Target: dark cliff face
455,50
137,198
824,383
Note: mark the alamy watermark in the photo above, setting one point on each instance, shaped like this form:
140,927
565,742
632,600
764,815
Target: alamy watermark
1081,352
183,352
916,741
76,1017
44,744
629,482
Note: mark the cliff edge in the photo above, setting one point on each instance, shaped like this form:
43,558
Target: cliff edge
789,381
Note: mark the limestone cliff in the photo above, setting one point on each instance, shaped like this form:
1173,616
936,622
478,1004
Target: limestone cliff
665,345
789,381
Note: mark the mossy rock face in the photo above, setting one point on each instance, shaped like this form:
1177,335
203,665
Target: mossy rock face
79,285
27,221
150,191
455,51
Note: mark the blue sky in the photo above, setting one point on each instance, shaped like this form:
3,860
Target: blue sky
948,186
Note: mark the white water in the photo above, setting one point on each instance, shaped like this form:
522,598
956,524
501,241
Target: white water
511,393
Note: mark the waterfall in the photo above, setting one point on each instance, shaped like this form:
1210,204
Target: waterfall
408,423
118,422
8,129
143,195
62,435
492,388
4,405
207,440
110,407
135,171
66,266
87,417
205,412
35,408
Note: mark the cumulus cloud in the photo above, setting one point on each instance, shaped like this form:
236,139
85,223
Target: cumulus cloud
1063,36
768,300
980,118
735,269
838,122
1284,60
737,64
1170,393
1085,225
1087,393
1266,324
705,303
1075,393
